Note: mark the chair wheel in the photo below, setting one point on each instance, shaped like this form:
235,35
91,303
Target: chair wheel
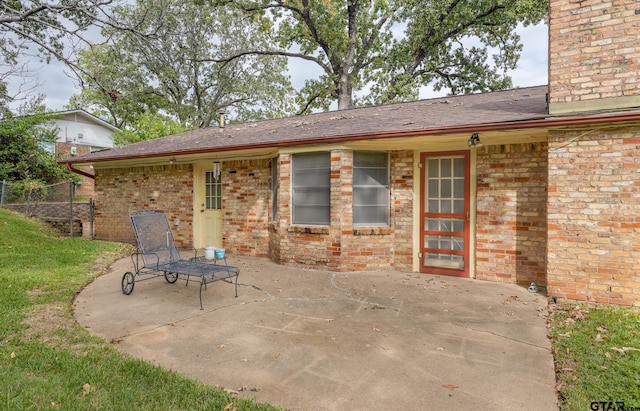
170,277
128,281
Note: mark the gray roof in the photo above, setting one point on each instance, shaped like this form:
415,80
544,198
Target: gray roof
443,115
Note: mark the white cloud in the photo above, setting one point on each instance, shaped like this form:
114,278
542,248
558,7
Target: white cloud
533,68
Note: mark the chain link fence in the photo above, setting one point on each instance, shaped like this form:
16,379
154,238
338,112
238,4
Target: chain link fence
53,204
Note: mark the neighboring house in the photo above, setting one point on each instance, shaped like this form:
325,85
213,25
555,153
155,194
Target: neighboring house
79,133
551,194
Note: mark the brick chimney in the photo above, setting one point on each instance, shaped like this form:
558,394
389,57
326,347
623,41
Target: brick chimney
594,55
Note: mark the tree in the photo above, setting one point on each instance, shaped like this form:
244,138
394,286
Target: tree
175,72
56,30
357,46
147,127
115,88
23,156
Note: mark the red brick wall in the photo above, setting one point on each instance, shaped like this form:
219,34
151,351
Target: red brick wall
594,219
402,198
122,190
343,247
63,151
593,49
248,228
511,213
310,246
246,201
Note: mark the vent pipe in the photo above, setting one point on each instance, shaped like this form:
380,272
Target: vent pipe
222,118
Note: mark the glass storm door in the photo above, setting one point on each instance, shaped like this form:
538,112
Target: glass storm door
445,214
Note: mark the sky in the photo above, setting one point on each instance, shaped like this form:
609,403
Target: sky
53,81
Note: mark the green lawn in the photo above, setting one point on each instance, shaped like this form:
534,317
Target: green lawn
47,361
597,355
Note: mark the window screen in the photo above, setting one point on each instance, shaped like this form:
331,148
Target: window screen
311,189
370,188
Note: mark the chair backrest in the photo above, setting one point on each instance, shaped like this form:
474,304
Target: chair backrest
154,238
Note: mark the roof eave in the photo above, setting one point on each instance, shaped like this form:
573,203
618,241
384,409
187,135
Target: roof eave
541,122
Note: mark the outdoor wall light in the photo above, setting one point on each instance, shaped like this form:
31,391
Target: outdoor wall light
172,161
474,140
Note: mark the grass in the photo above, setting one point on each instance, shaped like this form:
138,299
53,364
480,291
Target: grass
597,356
47,361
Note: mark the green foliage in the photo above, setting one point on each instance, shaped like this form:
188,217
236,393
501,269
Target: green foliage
4,101
48,361
597,354
148,126
22,152
115,89
181,71
385,50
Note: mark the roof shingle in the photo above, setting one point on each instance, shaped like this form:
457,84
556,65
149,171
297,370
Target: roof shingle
514,105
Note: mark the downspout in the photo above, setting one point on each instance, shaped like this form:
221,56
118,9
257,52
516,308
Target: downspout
82,173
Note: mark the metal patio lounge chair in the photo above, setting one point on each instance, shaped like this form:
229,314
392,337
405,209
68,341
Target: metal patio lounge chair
157,255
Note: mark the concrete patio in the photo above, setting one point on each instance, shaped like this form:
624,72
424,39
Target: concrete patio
315,340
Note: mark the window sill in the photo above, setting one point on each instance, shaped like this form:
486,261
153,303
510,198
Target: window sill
371,230
308,229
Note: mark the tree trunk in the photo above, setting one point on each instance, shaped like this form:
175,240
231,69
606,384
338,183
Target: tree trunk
345,91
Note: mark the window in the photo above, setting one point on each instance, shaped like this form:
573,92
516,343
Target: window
49,147
370,188
275,183
213,191
311,188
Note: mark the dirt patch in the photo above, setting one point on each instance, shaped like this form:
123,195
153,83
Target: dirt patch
50,324
53,323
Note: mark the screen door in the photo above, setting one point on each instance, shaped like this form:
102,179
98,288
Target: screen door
445,214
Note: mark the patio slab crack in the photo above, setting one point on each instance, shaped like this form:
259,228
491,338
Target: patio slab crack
501,336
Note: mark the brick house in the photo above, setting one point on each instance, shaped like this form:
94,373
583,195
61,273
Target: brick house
537,184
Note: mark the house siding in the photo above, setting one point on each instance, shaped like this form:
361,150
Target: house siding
246,202
87,186
248,226
511,213
593,45
402,201
341,246
593,231
594,222
123,190
309,246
